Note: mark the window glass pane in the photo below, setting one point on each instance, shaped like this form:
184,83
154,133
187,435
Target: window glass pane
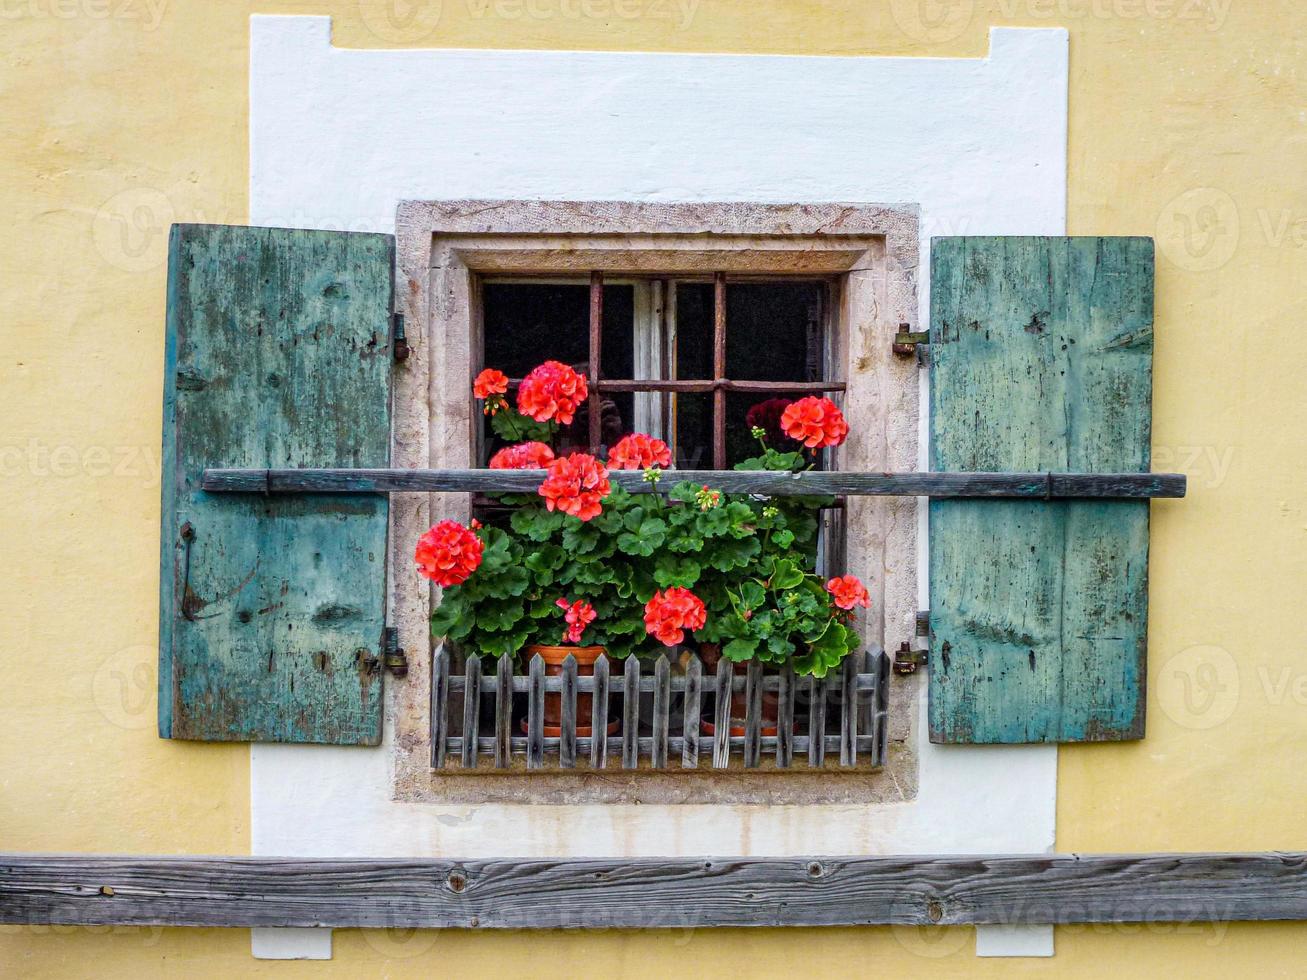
693,431
773,331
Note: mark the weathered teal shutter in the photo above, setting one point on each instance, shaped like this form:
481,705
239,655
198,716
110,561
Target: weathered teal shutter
272,606
1041,360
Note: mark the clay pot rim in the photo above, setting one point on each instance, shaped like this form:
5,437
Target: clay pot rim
556,654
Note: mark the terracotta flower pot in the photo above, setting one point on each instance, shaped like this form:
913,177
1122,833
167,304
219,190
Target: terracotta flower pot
711,654
553,657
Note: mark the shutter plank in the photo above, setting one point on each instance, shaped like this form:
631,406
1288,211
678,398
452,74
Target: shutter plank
272,630
1041,360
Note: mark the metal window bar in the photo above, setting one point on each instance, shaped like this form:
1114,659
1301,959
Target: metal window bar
848,708
718,385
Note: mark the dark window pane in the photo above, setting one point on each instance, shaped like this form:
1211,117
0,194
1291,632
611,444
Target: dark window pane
694,318
773,331
527,323
694,431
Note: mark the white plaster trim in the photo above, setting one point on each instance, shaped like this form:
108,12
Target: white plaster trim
290,944
1014,941
339,137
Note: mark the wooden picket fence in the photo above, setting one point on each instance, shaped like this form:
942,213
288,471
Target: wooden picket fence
842,716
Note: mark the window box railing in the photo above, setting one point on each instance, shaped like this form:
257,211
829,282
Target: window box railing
848,708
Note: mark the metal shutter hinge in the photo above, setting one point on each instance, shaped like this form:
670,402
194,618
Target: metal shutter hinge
398,340
392,653
907,660
908,343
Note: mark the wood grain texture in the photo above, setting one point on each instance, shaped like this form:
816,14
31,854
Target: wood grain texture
651,892
1041,359
1030,486
271,618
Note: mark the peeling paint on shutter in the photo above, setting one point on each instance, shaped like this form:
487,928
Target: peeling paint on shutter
272,607
1041,360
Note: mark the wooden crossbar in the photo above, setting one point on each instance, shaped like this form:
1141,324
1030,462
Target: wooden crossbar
591,893
1026,486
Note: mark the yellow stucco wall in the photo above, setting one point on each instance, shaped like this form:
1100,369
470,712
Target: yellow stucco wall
119,116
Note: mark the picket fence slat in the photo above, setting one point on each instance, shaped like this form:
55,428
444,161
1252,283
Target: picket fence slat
599,716
631,715
567,743
471,710
856,695
721,750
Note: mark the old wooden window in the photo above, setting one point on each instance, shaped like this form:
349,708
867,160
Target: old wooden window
697,361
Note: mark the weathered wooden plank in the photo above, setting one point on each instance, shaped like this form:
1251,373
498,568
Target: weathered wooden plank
1041,359
721,749
504,712
272,608
631,715
1027,485
817,689
785,716
690,714
535,714
849,710
880,712
599,715
471,710
567,739
439,707
90,890
662,704
752,714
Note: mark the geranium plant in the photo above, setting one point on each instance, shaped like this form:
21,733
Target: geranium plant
583,560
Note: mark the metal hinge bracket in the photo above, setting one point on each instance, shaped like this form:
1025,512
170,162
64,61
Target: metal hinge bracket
392,654
908,660
908,343
398,340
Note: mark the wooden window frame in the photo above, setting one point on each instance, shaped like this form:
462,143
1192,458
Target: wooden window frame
448,249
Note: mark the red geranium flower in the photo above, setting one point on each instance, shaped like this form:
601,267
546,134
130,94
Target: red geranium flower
448,553
766,415
579,615
490,382
575,485
848,592
552,391
639,452
523,456
815,422
669,614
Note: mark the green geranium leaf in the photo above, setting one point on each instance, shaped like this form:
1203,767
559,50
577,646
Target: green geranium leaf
740,649
670,571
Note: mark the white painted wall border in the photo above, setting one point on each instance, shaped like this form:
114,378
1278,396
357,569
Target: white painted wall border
338,137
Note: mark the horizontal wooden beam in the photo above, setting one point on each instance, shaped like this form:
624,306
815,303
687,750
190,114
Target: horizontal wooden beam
651,892
1027,486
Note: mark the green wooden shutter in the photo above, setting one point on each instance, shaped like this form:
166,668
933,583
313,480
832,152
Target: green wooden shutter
272,612
1041,360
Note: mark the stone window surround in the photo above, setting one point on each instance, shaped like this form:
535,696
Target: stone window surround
872,253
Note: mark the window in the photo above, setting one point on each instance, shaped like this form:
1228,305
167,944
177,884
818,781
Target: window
691,361
812,298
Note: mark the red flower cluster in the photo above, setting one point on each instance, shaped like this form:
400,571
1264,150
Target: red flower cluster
523,456
552,391
579,615
448,554
815,422
766,415
575,485
669,614
490,382
639,452
848,592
